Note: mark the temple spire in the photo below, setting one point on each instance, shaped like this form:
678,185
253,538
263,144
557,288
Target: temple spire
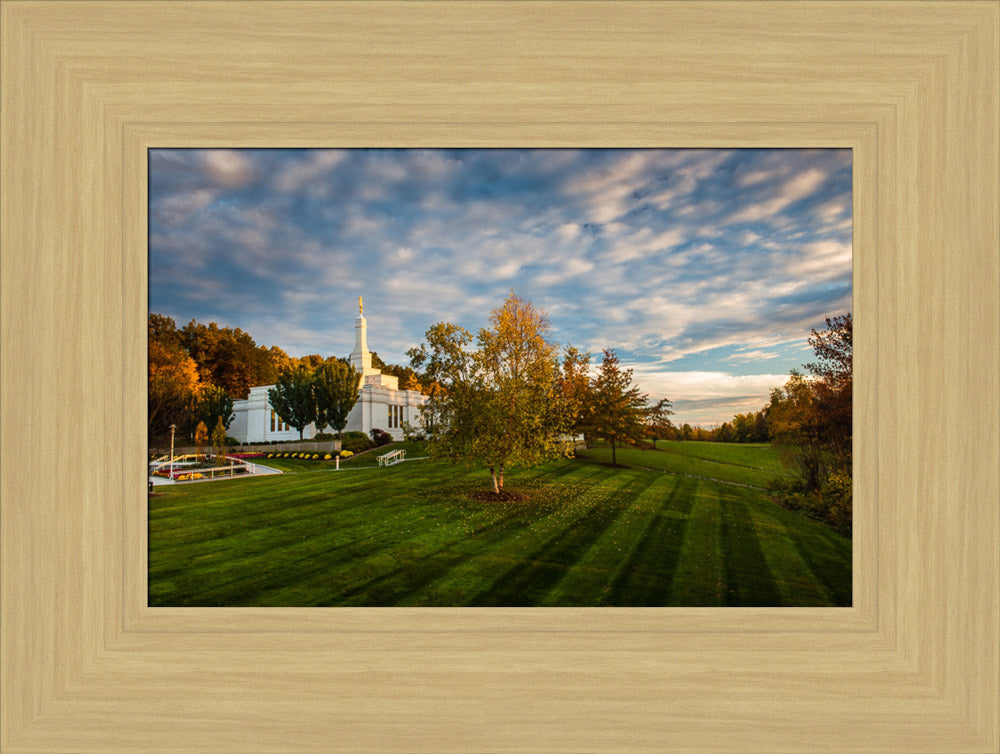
361,358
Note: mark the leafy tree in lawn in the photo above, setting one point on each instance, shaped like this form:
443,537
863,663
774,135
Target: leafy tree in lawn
214,402
411,382
574,385
449,369
163,330
408,379
834,349
618,409
292,398
335,388
499,405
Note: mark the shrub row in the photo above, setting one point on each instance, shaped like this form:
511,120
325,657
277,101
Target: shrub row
312,456
356,442
832,503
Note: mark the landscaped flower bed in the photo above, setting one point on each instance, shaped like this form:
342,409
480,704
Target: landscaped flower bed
311,456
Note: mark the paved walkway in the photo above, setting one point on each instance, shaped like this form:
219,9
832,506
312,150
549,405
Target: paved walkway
259,470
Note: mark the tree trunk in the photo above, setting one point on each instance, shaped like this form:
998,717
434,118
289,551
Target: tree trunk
501,480
614,459
493,475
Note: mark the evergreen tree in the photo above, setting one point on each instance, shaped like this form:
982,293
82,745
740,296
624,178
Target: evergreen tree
219,442
658,424
618,409
200,438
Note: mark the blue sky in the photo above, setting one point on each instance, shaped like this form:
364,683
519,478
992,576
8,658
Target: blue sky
704,269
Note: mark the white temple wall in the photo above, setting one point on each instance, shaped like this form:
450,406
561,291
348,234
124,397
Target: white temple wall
252,422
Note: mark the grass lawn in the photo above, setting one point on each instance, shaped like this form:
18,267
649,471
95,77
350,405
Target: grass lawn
753,455
659,529
685,463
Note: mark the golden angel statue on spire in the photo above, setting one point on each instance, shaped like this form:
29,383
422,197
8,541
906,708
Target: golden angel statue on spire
361,307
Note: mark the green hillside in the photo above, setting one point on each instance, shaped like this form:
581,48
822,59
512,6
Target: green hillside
662,528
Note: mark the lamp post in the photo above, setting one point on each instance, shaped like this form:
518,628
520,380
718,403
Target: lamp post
172,428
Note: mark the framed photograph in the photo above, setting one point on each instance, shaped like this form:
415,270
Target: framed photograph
603,377
90,90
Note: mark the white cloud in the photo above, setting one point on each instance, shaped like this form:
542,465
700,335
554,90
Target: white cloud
175,209
696,385
642,243
830,211
823,260
796,188
299,174
568,231
562,272
757,355
228,168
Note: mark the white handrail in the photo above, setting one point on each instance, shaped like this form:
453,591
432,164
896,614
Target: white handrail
392,457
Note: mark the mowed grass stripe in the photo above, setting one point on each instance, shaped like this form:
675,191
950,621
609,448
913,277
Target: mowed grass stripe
699,579
749,581
349,550
796,582
281,520
253,557
749,455
585,489
529,578
646,577
359,584
600,565
675,464
827,555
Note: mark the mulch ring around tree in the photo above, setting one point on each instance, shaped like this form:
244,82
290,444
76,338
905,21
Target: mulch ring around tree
504,496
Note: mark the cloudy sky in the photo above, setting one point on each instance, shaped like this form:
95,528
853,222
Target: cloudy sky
703,269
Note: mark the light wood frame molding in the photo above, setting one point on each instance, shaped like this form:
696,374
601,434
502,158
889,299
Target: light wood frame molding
912,87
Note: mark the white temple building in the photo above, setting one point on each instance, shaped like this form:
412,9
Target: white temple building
381,404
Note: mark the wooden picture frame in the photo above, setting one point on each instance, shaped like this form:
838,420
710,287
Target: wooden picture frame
913,88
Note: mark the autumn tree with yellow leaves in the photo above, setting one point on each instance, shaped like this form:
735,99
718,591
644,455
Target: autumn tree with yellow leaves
499,404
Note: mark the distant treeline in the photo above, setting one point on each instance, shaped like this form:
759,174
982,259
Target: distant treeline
742,428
